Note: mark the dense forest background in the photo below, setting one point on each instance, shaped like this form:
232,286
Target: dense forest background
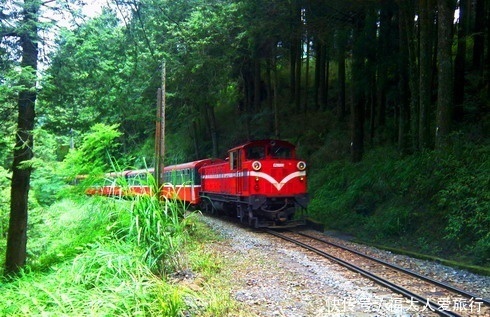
388,101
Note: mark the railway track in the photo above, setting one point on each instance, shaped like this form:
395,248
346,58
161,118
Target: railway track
423,294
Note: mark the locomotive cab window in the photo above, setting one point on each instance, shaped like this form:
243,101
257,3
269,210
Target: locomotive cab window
233,160
256,153
277,151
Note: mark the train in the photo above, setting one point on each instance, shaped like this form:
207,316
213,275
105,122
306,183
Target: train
261,182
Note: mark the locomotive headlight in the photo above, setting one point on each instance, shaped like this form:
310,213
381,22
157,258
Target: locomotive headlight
301,165
256,165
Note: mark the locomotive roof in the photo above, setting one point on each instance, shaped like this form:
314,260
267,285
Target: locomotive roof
263,142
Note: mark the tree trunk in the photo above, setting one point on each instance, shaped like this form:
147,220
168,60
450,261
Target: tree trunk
479,31
341,42
297,76
325,85
318,69
407,13
403,88
196,140
321,89
246,110
295,38
17,233
385,52
460,60
276,108
486,66
358,91
307,75
270,92
424,72
213,129
445,10
256,85
357,126
371,80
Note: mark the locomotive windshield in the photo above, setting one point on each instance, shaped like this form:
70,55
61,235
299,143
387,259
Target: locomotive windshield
270,150
256,153
277,151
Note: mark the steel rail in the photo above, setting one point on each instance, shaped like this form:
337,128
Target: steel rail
398,289
402,269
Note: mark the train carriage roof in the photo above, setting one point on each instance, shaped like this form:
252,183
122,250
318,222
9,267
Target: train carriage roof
192,165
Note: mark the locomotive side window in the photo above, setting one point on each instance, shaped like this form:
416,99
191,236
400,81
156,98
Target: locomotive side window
280,152
234,160
256,153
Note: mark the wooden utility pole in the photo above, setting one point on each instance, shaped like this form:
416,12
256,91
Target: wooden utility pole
158,137
160,132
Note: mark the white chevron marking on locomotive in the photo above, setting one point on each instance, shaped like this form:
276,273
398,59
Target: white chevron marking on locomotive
270,179
274,182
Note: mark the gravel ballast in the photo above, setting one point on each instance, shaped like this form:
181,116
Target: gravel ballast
272,278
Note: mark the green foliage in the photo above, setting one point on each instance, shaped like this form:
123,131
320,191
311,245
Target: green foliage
95,153
466,201
47,180
101,73
99,256
64,229
107,279
437,201
79,87
47,183
4,204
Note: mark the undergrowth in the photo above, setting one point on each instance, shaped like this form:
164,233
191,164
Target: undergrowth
436,202
96,256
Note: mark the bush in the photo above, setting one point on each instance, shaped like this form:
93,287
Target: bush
66,228
390,223
466,201
94,156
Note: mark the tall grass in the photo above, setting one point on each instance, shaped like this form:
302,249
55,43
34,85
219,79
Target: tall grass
108,279
157,225
159,228
99,256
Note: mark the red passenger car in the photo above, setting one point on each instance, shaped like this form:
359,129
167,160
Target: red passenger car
183,181
121,184
262,180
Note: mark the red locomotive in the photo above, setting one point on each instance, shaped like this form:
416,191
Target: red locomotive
262,182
